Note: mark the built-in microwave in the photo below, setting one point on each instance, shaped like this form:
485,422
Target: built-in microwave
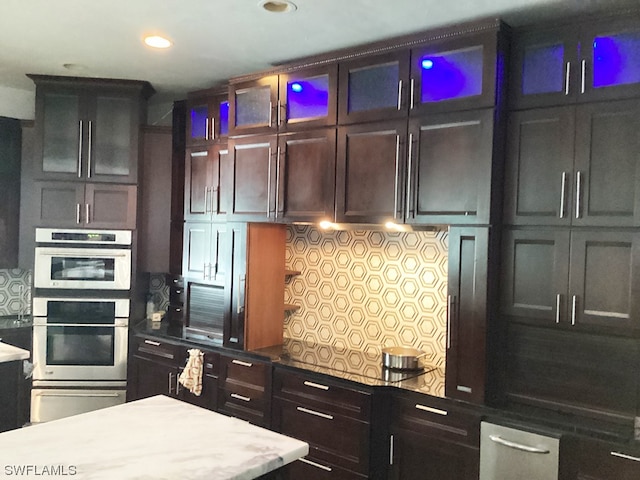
82,259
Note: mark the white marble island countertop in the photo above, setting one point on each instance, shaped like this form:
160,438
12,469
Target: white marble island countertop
9,353
153,439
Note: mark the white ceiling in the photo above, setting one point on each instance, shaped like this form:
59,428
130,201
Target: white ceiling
218,39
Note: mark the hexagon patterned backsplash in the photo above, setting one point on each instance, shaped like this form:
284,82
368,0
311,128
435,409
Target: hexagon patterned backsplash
368,289
15,292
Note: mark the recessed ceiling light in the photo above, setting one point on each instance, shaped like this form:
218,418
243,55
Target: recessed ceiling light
156,41
278,6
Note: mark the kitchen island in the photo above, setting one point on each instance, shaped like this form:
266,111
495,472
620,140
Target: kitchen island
12,392
154,438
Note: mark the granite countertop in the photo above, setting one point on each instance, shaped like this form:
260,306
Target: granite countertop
154,438
9,353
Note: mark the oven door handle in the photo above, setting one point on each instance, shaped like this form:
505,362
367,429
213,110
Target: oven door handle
53,394
110,325
88,253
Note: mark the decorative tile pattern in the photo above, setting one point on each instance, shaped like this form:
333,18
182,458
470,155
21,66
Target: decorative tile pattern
366,289
160,290
15,292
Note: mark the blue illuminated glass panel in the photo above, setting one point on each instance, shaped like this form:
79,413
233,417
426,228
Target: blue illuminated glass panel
224,118
199,117
373,87
616,60
543,69
253,106
308,97
451,75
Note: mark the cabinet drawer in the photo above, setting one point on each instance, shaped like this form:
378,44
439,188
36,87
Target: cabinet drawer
436,419
602,461
158,350
324,395
310,468
245,405
339,440
243,372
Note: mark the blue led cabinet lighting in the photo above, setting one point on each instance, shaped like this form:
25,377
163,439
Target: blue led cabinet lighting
308,98
224,118
199,122
451,75
616,60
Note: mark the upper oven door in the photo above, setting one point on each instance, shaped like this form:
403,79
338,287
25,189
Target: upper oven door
82,268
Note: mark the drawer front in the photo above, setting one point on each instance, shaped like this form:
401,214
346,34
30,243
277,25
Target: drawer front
336,439
310,468
437,419
158,350
211,364
601,460
325,395
244,406
208,398
237,371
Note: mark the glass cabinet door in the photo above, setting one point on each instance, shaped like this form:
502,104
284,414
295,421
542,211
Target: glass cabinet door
208,118
110,138
308,98
61,148
252,106
454,75
374,88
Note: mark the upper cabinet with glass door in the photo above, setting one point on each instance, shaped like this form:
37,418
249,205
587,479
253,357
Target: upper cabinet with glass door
88,130
207,117
593,61
286,102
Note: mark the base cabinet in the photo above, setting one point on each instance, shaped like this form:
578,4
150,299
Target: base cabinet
596,460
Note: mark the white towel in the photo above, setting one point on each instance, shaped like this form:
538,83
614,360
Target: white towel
191,376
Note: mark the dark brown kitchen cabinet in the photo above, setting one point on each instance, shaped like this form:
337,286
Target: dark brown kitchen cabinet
207,174
452,170
207,117
579,280
86,205
305,176
598,460
374,88
11,397
370,172
432,440
469,297
253,178
10,159
300,98
339,420
255,285
592,60
245,389
88,129
458,73
205,252
574,166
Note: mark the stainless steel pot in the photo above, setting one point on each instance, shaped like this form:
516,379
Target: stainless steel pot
402,358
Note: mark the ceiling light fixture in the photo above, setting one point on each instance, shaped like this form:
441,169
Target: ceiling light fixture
156,41
278,6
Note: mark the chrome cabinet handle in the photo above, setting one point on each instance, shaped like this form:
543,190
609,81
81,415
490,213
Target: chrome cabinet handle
151,342
269,185
240,397
390,449
170,381
409,168
411,88
450,304
278,116
80,142
213,128
583,74
78,213
574,302
316,385
241,363
87,209
563,194
314,464
558,303
89,148
271,114
626,457
206,128
314,413
578,193
397,179
277,179
399,94
431,410
566,78
517,446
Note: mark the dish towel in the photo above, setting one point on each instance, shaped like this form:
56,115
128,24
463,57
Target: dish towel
191,376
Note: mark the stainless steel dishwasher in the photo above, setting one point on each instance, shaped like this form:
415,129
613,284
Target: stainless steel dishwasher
511,454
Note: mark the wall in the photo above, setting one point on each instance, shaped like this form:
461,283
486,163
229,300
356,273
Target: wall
365,289
15,292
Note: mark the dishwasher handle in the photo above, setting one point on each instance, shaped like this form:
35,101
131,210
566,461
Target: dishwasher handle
518,446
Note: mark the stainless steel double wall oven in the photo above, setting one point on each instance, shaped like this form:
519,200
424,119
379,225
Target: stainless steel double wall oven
82,281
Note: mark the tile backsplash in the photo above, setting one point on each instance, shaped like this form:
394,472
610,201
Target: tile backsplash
15,292
367,289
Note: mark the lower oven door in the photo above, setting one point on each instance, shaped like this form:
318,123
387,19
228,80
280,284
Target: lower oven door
52,403
79,351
